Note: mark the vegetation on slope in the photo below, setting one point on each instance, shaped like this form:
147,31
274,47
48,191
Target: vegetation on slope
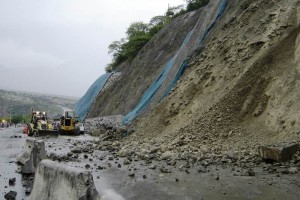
139,33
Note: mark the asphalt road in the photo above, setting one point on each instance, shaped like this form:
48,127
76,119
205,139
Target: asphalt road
218,182
11,142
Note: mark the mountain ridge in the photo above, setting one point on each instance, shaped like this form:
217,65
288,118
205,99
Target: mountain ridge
21,103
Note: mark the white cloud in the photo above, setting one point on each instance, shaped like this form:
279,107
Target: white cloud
67,36
15,56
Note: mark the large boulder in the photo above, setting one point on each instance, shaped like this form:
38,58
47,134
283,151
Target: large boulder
278,153
33,152
55,181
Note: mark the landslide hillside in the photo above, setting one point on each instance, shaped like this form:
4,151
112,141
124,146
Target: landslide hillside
136,76
242,90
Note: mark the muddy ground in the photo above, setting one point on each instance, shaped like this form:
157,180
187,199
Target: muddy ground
134,178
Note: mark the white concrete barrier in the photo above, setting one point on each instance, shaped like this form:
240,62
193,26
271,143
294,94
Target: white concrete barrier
55,181
110,194
33,152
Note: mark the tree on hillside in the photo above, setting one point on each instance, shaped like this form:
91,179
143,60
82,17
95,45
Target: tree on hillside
157,23
137,29
175,11
139,33
137,36
116,49
195,4
17,119
157,20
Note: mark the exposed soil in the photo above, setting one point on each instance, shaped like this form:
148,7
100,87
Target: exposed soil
242,91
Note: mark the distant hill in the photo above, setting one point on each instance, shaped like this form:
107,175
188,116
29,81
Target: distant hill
21,103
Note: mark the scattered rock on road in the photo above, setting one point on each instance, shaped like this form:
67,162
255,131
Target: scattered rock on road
11,195
12,181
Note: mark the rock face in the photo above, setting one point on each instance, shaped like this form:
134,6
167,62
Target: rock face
279,154
34,152
54,181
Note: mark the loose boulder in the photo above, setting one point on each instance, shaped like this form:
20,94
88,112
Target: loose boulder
34,152
54,181
278,153
11,195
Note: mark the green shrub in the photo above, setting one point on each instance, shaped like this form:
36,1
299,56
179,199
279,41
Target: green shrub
139,33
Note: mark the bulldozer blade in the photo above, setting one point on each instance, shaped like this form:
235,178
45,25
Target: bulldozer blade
49,133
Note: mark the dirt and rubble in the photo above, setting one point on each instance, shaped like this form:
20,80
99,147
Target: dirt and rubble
204,173
236,175
241,92
150,171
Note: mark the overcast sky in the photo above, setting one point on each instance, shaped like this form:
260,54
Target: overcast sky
60,46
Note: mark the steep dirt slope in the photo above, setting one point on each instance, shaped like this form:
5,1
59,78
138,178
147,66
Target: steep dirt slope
243,90
136,76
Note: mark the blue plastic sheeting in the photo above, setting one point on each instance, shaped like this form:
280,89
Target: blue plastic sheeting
220,12
83,105
150,93
178,75
201,39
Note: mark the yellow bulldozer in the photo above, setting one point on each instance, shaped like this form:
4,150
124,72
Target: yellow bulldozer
40,124
69,124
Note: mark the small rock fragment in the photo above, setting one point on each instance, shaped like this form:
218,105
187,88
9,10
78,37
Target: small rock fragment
251,172
131,175
12,181
126,162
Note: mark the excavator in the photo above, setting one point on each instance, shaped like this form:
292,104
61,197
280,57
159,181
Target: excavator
40,125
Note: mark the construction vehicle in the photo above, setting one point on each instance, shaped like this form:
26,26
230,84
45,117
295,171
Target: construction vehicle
69,124
40,124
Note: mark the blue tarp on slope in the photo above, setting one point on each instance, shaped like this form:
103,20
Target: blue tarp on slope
83,105
201,39
150,93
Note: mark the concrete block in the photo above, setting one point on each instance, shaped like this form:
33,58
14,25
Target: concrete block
278,153
55,181
33,152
